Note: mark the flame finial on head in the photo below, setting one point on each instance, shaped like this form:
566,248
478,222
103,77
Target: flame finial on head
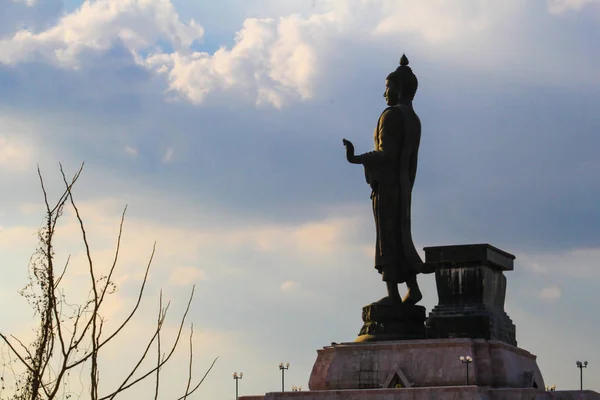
403,61
404,77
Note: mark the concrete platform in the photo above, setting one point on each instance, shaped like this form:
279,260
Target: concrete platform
437,393
423,363
426,370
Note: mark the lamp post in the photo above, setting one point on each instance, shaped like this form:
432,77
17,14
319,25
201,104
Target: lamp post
283,368
466,360
237,377
581,366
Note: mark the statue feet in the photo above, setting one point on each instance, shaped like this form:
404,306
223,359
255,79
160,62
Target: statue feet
413,296
393,296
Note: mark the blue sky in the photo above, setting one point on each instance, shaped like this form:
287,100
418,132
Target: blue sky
220,125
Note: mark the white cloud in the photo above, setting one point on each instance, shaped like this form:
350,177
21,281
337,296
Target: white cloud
28,3
186,276
580,263
550,293
168,156
273,60
178,247
288,286
132,151
15,153
97,26
436,21
562,6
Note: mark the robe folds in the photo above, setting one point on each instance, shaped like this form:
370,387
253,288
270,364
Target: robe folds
390,170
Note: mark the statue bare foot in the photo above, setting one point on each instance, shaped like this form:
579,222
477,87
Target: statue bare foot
412,298
393,296
414,294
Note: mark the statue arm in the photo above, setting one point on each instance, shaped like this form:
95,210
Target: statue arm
390,126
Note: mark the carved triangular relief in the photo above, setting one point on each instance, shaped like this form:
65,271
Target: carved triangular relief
397,379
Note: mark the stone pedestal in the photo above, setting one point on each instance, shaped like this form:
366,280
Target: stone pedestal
423,363
471,290
394,321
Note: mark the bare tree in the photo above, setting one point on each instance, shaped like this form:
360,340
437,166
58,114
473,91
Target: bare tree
70,337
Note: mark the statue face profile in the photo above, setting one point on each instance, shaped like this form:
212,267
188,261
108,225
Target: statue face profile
392,93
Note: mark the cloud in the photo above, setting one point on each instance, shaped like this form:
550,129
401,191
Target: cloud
168,156
97,26
186,276
132,151
438,21
280,60
28,3
288,286
32,15
575,263
273,61
14,155
17,149
550,293
562,6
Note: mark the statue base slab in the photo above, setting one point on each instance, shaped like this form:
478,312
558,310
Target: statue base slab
423,363
425,370
392,321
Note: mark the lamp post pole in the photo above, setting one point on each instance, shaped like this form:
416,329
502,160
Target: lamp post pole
237,377
581,366
283,368
466,360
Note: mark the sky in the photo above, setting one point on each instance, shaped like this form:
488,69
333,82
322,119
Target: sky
220,126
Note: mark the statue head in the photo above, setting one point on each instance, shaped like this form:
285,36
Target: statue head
401,85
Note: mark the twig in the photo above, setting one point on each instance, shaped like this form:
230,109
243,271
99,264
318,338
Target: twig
189,382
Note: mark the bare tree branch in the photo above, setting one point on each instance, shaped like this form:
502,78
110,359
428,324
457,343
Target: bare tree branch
158,352
124,323
62,273
189,382
16,353
201,380
124,386
47,371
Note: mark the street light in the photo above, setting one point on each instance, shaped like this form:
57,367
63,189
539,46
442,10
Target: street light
466,360
581,366
283,368
237,377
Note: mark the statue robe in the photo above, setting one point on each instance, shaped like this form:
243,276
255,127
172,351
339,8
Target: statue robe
390,170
